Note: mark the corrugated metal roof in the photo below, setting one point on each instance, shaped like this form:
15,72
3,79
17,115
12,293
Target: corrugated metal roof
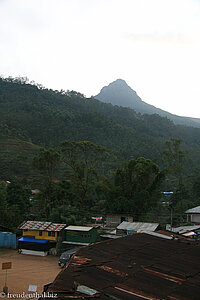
184,229
132,267
194,210
137,226
79,228
39,225
174,235
86,290
163,236
110,236
190,233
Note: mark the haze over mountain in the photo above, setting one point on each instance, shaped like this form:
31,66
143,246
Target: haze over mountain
119,93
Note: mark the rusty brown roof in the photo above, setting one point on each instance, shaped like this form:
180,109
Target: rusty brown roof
138,266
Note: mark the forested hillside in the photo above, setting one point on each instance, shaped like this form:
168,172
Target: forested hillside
104,158
16,158
45,118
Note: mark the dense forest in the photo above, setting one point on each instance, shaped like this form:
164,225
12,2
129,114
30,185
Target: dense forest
90,158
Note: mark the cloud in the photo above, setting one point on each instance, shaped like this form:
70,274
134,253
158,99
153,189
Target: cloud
83,45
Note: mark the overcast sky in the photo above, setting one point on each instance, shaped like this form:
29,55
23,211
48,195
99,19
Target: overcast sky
83,45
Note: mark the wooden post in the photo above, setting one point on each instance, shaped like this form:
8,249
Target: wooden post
6,266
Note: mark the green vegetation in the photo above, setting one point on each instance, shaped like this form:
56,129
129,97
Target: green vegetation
136,188
14,204
16,158
46,118
105,159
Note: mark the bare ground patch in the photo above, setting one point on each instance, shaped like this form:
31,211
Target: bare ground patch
27,269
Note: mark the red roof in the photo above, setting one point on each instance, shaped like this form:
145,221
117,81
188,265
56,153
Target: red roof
56,227
39,225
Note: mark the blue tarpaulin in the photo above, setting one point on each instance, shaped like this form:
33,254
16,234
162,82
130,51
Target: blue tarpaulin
24,239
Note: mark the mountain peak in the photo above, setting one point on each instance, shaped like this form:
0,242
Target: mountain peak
119,82
119,93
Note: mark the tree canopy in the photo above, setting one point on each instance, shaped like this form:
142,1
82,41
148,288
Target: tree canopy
136,188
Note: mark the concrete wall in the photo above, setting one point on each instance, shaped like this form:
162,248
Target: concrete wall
195,218
115,220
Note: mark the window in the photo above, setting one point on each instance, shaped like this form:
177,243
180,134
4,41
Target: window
53,233
49,233
85,236
40,233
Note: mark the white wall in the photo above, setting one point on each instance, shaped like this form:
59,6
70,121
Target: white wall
195,218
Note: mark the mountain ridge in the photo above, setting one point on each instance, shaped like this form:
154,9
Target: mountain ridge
45,118
120,93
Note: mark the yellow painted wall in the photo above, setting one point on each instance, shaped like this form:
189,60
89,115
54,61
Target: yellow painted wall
44,235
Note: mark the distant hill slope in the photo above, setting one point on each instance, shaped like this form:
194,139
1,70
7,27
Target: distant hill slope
31,115
119,93
16,158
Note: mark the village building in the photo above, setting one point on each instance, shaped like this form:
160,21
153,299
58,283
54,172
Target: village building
80,235
8,239
136,266
188,231
39,237
126,228
113,220
193,215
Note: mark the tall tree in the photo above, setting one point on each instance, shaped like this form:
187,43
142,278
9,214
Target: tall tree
14,204
4,209
82,159
174,157
136,188
47,162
